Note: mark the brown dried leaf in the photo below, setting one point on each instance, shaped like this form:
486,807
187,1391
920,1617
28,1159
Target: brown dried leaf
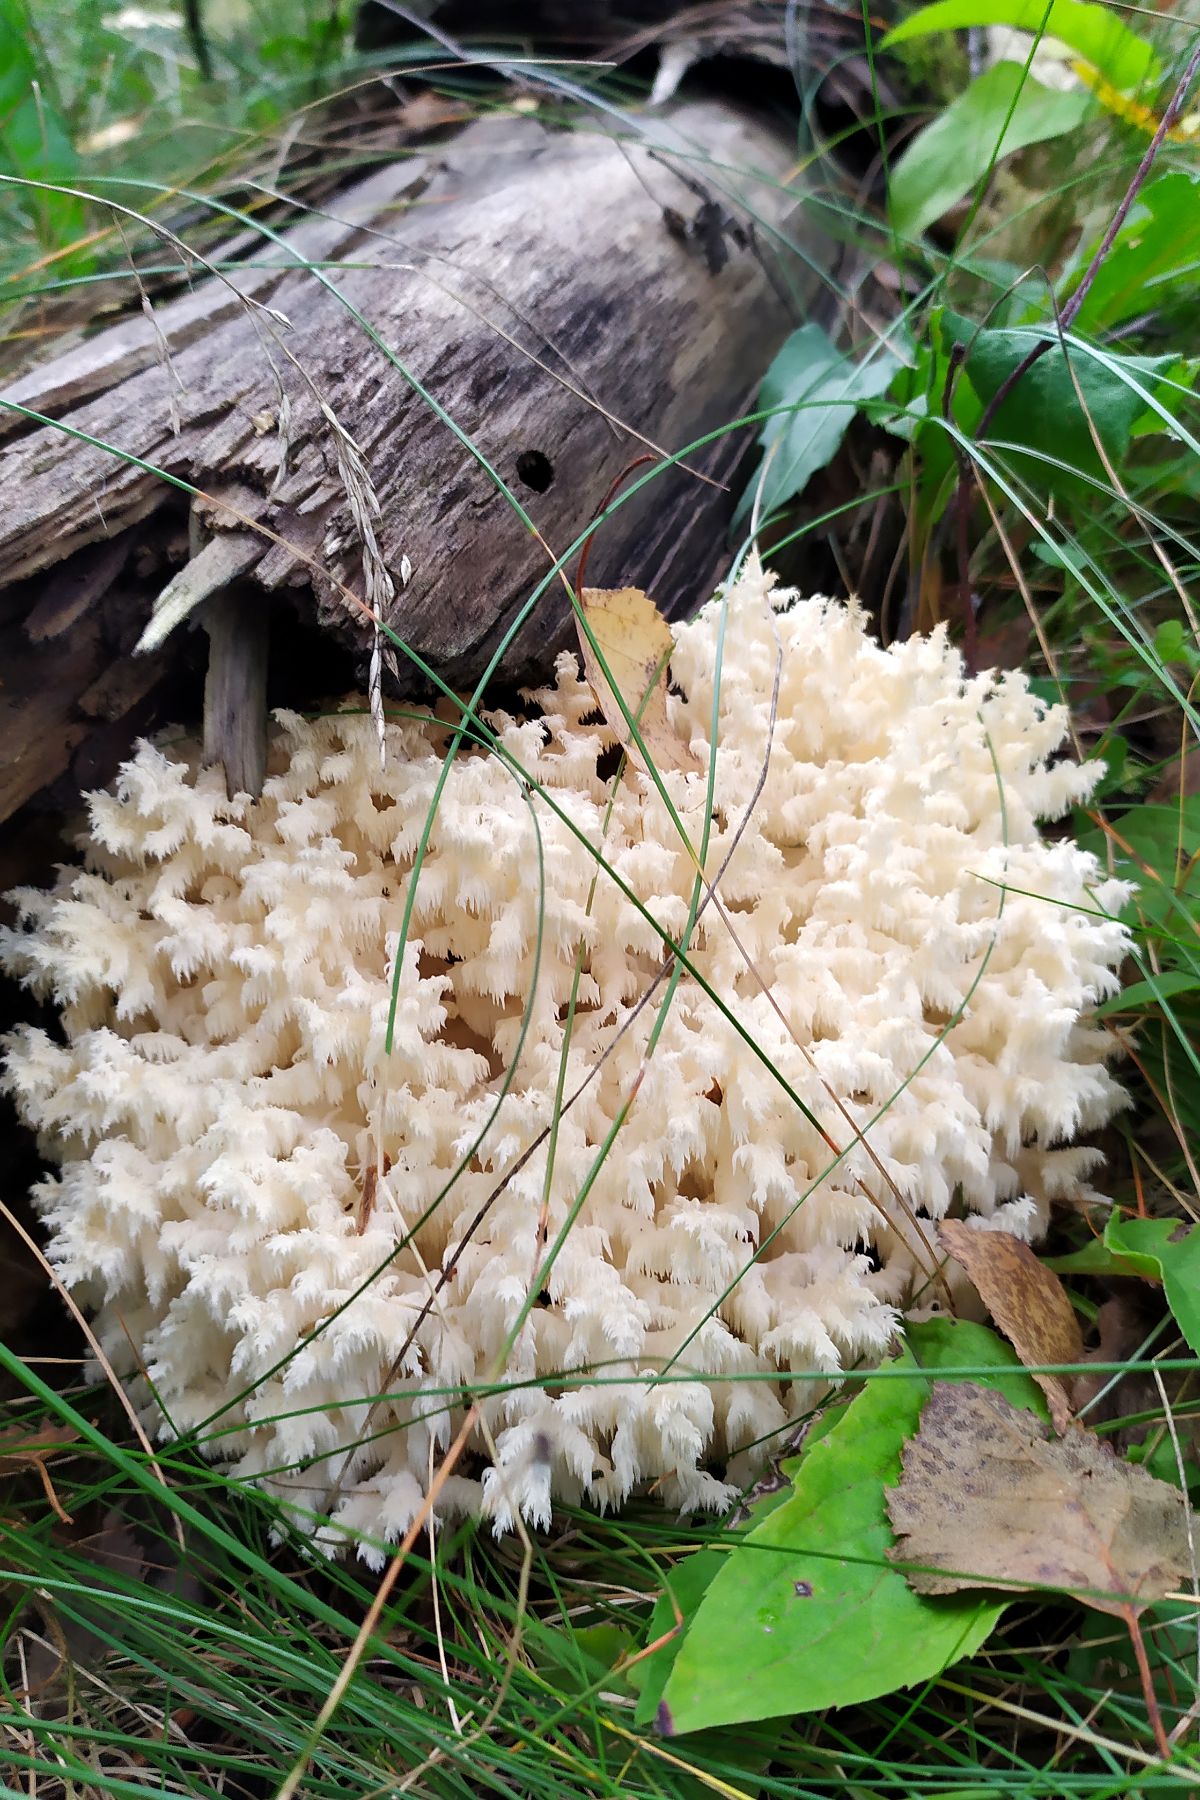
1123,1321
22,1450
987,1495
1028,1302
636,644
79,1637
369,1190
427,111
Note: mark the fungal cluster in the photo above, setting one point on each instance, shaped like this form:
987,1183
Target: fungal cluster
301,1163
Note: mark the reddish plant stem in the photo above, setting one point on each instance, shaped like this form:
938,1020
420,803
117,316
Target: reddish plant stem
615,483
1153,1711
1074,305
962,514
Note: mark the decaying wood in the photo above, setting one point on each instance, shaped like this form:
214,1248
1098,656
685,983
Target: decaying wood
235,689
565,297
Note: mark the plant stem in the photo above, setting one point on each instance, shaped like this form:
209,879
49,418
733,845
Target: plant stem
1071,310
194,25
1066,318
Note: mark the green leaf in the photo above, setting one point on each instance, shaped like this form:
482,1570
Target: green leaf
1165,839
1159,1459
1003,111
18,69
684,1589
1104,1661
1166,1050
1113,752
807,1611
1094,1259
577,1660
1141,994
823,389
1167,1251
1095,33
913,411
1043,411
1152,259
1173,642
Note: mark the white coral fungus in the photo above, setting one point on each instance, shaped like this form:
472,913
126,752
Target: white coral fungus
260,1203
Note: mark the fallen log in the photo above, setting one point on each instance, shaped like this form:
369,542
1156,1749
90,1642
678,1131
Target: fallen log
332,416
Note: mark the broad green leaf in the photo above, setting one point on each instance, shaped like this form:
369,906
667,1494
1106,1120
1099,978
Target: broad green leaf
1167,1251
1043,412
807,1611
1167,1050
1095,33
1004,110
684,1589
582,1659
576,1660
1165,840
1104,1661
1094,1259
1113,752
1173,642
1152,260
1157,1456
1159,835
1141,994
18,67
823,388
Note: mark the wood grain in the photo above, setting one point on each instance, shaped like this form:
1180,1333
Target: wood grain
544,288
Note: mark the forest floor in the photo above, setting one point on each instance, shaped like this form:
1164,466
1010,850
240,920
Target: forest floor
993,428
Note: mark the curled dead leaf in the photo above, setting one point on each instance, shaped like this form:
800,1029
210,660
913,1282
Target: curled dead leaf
23,1450
1027,1301
81,1635
635,642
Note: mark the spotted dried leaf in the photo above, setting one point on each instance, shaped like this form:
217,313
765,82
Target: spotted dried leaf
635,642
988,1498
1027,1301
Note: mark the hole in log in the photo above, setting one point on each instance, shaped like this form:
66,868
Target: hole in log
535,470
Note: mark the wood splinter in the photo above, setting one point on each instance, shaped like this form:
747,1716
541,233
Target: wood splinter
235,688
234,614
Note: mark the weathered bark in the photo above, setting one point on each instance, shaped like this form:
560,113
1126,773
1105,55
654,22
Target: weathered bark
567,298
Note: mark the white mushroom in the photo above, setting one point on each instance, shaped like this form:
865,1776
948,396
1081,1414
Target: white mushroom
256,1199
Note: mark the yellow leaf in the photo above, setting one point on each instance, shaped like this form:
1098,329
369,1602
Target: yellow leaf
635,642
1123,106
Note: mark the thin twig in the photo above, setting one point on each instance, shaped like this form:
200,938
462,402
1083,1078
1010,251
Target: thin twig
1074,305
1063,323
97,1351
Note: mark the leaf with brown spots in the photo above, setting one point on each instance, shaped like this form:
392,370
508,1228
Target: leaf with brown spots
1027,1301
635,642
987,1498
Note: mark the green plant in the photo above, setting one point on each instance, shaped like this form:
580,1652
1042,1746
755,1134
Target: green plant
91,92
1006,108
